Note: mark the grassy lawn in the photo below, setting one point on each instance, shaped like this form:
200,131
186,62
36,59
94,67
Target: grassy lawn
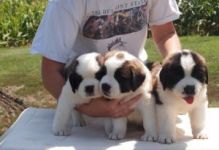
20,75
19,68
20,72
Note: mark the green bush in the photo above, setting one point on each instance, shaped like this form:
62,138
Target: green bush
19,20
198,17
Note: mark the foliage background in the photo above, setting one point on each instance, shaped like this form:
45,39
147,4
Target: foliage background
19,19
198,17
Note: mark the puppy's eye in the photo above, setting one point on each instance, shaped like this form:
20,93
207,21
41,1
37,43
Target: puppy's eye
176,73
176,70
170,75
125,77
101,73
200,73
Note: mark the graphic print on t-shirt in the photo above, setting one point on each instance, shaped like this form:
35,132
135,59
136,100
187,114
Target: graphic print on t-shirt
116,44
118,23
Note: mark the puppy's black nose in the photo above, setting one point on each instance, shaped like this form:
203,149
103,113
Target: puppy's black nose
106,87
89,89
189,89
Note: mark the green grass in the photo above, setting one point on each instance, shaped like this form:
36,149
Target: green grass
18,67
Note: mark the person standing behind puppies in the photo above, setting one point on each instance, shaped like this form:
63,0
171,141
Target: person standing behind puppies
72,27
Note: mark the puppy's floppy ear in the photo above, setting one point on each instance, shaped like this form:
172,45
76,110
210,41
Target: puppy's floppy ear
137,76
137,80
74,78
200,71
206,75
164,76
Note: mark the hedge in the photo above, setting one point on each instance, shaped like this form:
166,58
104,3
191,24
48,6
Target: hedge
198,17
19,20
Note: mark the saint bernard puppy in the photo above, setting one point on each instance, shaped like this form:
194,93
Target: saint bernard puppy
181,88
126,77
82,84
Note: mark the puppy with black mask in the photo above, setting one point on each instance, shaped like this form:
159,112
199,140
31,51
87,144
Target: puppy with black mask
126,77
181,88
82,84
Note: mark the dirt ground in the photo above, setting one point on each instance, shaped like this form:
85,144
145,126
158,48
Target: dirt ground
11,105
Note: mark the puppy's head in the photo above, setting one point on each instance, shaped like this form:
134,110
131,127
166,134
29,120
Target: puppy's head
84,74
124,74
185,73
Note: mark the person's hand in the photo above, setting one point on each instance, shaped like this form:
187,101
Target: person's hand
101,107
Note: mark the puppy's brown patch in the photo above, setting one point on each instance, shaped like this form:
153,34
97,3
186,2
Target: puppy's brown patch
134,66
200,70
100,60
155,68
172,59
199,59
133,70
120,56
111,53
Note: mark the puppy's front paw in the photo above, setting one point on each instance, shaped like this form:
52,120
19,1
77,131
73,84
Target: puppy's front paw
108,130
108,126
149,138
79,123
166,140
200,135
116,136
61,130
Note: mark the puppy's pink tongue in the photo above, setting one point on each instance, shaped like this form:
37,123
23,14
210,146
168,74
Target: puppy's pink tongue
189,99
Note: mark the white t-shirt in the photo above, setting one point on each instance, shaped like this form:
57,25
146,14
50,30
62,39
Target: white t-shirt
72,27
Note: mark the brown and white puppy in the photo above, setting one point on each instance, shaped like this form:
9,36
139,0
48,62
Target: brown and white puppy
125,77
83,76
181,88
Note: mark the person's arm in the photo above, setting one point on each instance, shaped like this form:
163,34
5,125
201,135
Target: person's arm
166,38
52,76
